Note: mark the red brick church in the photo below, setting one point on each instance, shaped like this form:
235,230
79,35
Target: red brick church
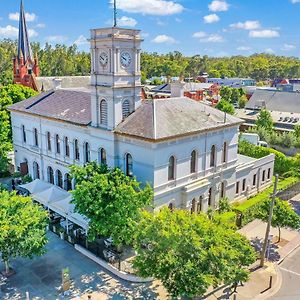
26,67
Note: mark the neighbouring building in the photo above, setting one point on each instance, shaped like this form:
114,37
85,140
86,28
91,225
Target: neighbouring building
283,106
232,82
185,149
192,90
25,65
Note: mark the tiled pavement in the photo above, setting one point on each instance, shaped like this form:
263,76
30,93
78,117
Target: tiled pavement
41,277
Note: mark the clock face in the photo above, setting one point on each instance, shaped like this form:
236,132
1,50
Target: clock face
125,59
103,59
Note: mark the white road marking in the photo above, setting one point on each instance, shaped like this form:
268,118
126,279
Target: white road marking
292,272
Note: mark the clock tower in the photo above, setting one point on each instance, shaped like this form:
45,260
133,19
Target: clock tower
115,75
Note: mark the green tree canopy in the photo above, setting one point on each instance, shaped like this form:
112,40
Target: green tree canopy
226,93
265,120
110,199
22,227
9,95
283,215
225,106
189,253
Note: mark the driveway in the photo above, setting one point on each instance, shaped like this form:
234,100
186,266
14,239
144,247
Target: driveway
41,277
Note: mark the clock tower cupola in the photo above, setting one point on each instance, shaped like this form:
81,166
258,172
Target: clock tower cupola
115,75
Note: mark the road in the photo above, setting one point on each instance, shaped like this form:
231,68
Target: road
290,270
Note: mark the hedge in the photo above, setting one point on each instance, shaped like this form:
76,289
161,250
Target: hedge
282,164
249,207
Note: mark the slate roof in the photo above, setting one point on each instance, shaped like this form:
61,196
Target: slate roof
275,101
66,105
165,118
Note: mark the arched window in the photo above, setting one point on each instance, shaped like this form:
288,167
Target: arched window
68,182
67,147
171,170
76,150
224,154
50,175
125,108
102,156
193,161
57,143
35,137
128,165
36,170
87,152
103,112
24,134
210,197
59,179
222,190
48,141
213,156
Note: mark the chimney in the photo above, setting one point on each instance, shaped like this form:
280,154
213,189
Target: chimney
57,83
177,89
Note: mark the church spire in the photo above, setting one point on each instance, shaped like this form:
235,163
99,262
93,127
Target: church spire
24,48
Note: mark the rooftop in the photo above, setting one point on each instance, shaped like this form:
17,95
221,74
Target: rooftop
275,101
66,105
172,117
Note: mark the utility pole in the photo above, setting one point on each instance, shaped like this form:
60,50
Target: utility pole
264,249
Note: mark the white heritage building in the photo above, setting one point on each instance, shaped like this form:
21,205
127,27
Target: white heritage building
186,150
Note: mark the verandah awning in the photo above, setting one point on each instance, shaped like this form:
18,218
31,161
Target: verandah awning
55,199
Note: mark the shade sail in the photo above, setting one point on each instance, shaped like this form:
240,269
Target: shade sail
79,219
36,186
50,195
63,207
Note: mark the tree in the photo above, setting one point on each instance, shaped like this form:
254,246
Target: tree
189,253
235,95
9,95
265,120
283,215
297,131
110,199
22,227
225,106
226,93
242,101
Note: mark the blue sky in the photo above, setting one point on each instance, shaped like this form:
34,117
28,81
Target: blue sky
212,27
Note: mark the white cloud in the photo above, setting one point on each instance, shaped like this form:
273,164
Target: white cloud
178,20
295,1
248,25
12,32
126,21
243,48
288,47
211,18
208,38
200,35
160,23
16,16
81,40
9,31
150,7
266,33
218,5
40,25
269,51
56,39
164,39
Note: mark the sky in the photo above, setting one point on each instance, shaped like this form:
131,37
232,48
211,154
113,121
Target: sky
205,27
